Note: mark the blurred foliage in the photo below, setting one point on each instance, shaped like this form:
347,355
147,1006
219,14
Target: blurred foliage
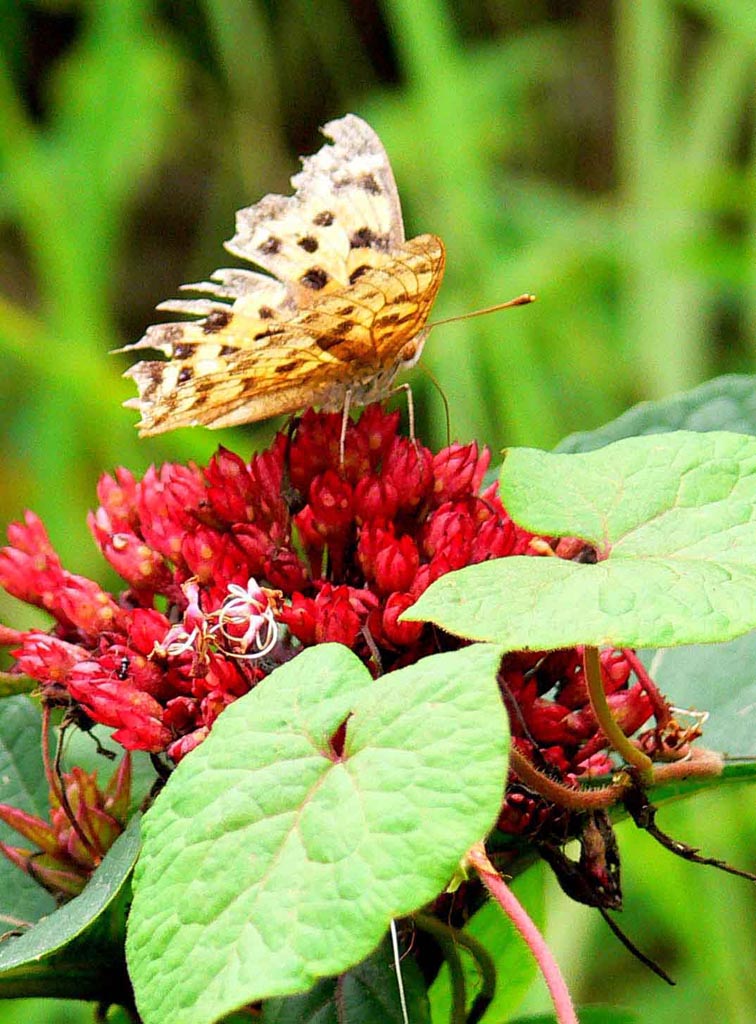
600,155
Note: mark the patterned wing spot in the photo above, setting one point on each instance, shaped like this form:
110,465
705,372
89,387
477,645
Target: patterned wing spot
269,332
327,341
216,322
287,367
308,243
358,272
323,220
270,246
367,239
185,374
182,351
368,183
171,333
265,312
315,278
227,351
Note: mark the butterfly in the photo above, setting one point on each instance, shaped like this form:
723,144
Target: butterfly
341,308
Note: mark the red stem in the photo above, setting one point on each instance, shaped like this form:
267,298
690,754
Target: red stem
662,714
560,996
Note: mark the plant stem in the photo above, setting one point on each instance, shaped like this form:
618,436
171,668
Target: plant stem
660,706
606,720
558,793
446,939
483,961
560,996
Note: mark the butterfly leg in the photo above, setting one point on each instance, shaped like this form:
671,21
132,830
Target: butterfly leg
410,409
344,425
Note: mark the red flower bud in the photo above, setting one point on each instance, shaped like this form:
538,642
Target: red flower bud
378,427
399,634
375,500
396,564
458,471
331,504
229,488
409,467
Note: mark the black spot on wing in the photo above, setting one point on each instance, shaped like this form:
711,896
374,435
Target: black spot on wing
308,243
266,312
270,246
358,272
185,374
228,350
216,322
182,351
363,239
323,219
315,278
288,367
368,183
269,332
327,341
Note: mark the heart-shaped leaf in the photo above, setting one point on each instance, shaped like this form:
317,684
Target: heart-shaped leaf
275,856
673,519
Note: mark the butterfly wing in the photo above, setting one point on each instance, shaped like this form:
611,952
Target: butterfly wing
346,305
246,368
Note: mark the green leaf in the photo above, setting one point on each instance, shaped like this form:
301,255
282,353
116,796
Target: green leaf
22,785
726,403
77,952
270,861
673,517
363,995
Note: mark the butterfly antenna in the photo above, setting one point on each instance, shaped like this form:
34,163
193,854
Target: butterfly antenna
521,300
434,381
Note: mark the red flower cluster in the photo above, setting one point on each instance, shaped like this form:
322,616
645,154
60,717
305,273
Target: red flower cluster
216,560
232,568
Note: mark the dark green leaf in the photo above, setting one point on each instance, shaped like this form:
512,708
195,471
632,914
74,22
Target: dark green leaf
22,785
363,995
77,952
726,403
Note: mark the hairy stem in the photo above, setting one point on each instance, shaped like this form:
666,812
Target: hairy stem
558,793
560,996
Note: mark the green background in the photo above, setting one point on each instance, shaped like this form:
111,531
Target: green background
600,155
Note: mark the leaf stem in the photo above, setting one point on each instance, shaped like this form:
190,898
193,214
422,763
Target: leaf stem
608,723
446,939
478,952
560,996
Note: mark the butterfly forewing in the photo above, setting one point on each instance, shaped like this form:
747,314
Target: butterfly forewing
346,308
